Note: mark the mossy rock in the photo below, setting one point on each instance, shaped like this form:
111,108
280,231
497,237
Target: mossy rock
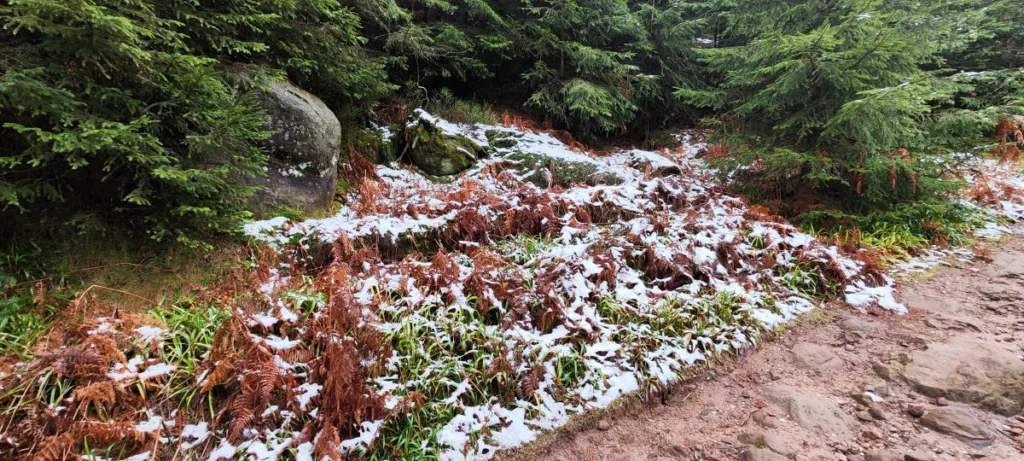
553,171
437,153
503,139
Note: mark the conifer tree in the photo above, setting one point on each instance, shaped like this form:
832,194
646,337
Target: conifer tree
105,112
840,100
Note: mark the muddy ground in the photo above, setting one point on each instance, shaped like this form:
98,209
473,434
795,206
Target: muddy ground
945,382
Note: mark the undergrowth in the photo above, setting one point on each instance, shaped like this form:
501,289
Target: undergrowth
899,235
446,105
22,322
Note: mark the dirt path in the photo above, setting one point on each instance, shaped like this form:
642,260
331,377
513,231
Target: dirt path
945,382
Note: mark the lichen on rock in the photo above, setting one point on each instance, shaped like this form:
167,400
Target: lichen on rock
303,150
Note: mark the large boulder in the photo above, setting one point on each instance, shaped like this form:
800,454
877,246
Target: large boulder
303,150
439,148
971,371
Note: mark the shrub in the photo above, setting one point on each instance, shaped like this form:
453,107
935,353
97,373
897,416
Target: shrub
848,106
104,111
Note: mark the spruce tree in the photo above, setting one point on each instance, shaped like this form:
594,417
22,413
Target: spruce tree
838,103
105,114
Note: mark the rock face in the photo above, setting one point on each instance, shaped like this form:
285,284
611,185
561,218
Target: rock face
436,148
303,150
970,371
960,424
812,412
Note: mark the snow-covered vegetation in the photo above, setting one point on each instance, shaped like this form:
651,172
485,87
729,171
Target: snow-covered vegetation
450,320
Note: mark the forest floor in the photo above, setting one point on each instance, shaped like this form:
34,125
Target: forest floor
460,320
945,382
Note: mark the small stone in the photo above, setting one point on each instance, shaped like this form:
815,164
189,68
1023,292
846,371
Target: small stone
919,456
916,410
765,418
870,435
942,402
861,398
682,451
747,394
760,454
604,425
761,439
1016,431
774,376
881,370
864,416
849,348
876,413
882,455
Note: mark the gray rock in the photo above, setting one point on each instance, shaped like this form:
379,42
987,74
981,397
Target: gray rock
971,371
811,411
960,424
814,357
303,150
760,454
604,425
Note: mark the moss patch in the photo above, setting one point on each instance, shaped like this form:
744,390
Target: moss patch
440,154
552,171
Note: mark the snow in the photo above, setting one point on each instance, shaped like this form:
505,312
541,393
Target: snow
622,270
156,370
223,451
195,433
306,393
861,297
367,433
153,424
150,334
130,371
690,240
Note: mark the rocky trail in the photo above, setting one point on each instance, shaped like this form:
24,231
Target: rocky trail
945,382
